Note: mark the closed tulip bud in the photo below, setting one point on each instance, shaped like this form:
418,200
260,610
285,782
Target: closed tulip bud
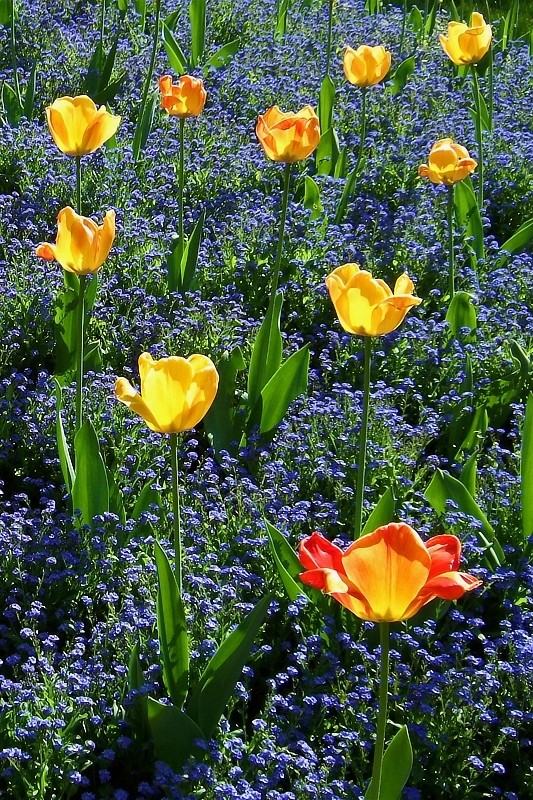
176,393
448,163
183,99
365,305
78,127
387,575
366,66
464,44
288,137
81,245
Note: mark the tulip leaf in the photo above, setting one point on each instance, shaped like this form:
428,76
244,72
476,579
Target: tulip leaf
116,501
282,7
396,767
444,487
174,734
223,422
267,351
29,96
222,56
415,19
144,123
172,630
138,711
65,461
341,167
197,17
526,471
517,241
90,490
327,152
65,330
325,103
217,683
484,113
312,198
284,386
140,8
189,259
468,216
383,513
462,314
347,192
401,76
287,562
11,105
6,9
147,497
176,57
468,476
106,95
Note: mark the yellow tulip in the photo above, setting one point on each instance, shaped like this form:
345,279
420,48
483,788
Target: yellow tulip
365,305
366,66
448,163
78,127
464,44
288,137
81,245
387,575
183,99
176,393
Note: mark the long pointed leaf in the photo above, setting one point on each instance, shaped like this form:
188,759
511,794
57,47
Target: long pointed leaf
197,17
176,56
526,471
287,562
325,103
173,732
467,213
284,386
222,56
189,259
65,461
383,513
397,765
267,350
144,123
90,491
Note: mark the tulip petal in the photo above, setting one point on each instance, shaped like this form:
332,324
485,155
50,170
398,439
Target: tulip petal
125,392
317,552
445,554
164,388
47,251
327,580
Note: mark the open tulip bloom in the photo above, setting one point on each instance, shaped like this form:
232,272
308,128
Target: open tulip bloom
78,127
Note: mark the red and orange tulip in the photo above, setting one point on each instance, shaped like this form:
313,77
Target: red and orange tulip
183,99
288,137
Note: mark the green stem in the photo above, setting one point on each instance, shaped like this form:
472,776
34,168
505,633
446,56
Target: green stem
330,31
479,138
404,22
284,206
151,66
78,184
181,182
79,354
362,134
176,508
360,485
102,25
451,254
375,786
14,54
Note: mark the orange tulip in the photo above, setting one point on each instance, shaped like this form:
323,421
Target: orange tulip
448,163
366,66
467,45
176,393
288,137
78,127
81,245
183,99
366,306
387,575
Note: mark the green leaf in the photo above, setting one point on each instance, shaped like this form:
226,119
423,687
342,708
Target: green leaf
116,502
11,105
65,461
462,314
327,152
415,19
396,767
484,113
197,17
29,97
467,214
176,56
517,241
122,5
325,103
267,351
172,630
281,18
445,487
140,8
91,81
65,330
468,476
526,471
284,386
312,198
347,192
189,259
401,75
6,7
222,56
287,562
382,514
138,711
341,167
90,490
144,123
173,733
147,497
223,422
217,683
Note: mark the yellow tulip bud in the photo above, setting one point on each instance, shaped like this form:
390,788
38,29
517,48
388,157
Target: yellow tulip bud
176,393
448,163
183,99
288,137
467,45
78,127
366,66
81,245
365,305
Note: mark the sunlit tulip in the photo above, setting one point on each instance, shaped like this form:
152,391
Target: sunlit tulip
78,127
365,305
81,245
448,163
183,99
366,66
288,137
464,44
387,575
176,393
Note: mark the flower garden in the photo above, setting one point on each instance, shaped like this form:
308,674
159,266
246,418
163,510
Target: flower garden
266,401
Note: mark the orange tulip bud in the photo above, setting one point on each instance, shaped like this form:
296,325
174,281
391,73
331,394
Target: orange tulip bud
365,305
366,66
78,127
176,393
81,245
448,163
387,575
288,137
183,99
467,45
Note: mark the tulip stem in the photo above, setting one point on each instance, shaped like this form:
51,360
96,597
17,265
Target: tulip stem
375,785
330,32
79,360
479,137
176,508
14,54
78,184
181,181
147,80
362,134
102,27
451,253
360,485
284,205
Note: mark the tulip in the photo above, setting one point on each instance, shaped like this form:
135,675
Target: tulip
176,393
448,163
387,575
366,66
183,99
288,137
467,45
78,127
81,245
366,306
